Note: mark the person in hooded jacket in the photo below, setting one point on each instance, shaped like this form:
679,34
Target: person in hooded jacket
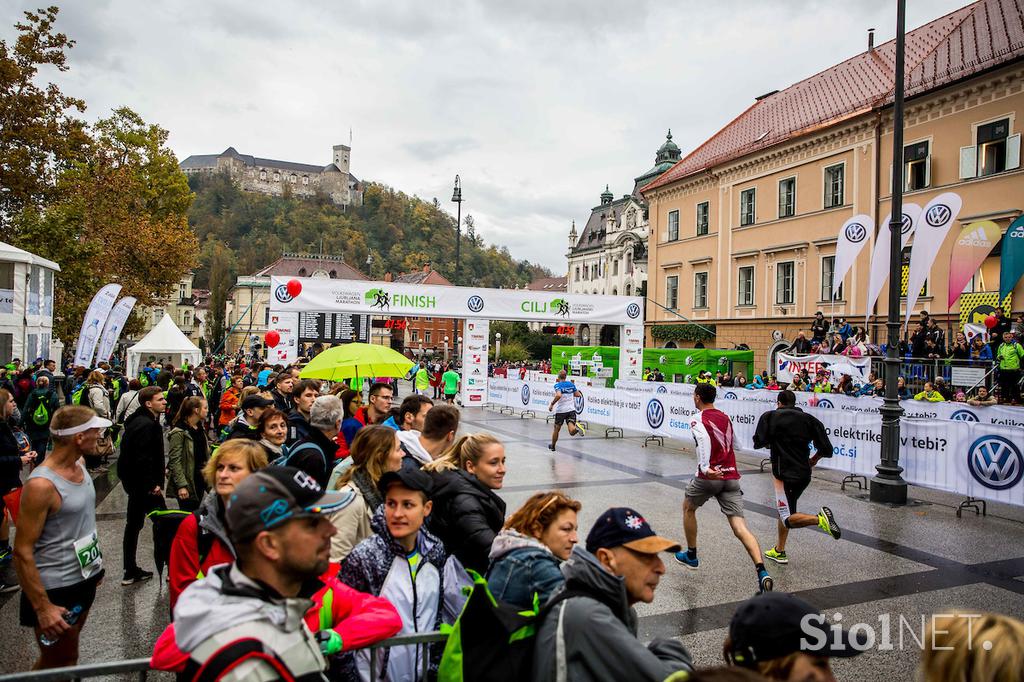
98,397
439,427
468,515
42,402
187,453
526,556
304,394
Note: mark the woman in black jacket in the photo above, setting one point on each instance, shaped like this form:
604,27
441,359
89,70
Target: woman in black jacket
12,459
467,514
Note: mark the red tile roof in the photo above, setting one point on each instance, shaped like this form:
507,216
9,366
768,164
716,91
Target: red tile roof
304,265
980,36
549,284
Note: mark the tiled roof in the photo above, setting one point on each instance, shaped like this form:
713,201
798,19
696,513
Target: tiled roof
549,284
980,36
594,232
289,265
424,277
210,160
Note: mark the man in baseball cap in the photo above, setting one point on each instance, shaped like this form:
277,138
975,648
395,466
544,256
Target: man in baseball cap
277,523
780,628
595,626
245,425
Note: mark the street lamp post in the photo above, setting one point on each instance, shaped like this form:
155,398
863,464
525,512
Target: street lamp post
446,351
457,198
497,347
888,484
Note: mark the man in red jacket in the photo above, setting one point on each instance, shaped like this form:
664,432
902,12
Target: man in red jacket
717,477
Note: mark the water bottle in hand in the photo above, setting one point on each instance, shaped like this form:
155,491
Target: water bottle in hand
71,617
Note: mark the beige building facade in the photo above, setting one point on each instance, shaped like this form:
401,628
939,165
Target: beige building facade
759,205
180,307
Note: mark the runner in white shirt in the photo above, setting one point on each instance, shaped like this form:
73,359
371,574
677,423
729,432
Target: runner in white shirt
565,401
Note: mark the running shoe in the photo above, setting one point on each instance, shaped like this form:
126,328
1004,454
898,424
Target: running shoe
139,576
827,523
580,430
764,582
551,447
777,556
685,560
5,556
7,588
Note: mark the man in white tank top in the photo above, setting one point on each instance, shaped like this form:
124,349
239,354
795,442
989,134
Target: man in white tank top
56,550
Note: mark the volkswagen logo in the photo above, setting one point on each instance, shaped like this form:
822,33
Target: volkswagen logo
662,389
907,224
963,416
688,361
579,403
826,403
994,461
281,293
723,360
633,310
524,393
938,215
475,304
731,396
655,413
856,233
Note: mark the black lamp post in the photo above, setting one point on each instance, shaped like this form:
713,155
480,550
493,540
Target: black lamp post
888,485
457,198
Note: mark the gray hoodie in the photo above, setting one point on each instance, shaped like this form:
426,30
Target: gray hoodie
411,444
593,637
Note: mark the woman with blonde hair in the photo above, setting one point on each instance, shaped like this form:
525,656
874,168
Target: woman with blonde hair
467,514
96,393
375,450
526,556
973,648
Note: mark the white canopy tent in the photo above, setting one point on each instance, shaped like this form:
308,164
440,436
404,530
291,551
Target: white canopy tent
164,343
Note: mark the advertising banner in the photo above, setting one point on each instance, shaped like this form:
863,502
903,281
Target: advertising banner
1011,262
92,323
853,237
392,298
880,254
788,366
973,245
287,349
936,219
475,334
6,301
631,352
112,329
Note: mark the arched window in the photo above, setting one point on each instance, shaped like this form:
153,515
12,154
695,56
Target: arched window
615,291
263,174
277,177
334,274
294,178
305,179
629,290
302,272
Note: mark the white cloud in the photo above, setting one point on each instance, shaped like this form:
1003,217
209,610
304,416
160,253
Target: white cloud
537,105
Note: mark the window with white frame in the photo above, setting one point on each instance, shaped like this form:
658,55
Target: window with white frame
700,290
426,337
415,335
745,286
787,197
828,268
672,292
703,215
673,225
916,166
785,289
748,199
834,185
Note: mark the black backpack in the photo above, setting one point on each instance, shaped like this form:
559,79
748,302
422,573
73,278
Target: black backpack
165,527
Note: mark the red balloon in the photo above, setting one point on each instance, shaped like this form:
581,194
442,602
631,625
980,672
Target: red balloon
294,287
991,321
272,338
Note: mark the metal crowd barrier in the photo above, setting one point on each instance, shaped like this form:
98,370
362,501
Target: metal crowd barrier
139,668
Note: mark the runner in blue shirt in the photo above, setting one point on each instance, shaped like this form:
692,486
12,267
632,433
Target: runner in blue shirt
564,406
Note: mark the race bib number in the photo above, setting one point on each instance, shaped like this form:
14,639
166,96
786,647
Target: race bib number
90,559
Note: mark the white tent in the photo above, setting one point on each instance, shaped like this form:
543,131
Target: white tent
164,343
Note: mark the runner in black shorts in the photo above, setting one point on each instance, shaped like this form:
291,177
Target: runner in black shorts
564,405
788,431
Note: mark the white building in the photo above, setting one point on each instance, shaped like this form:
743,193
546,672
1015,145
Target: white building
26,305
610,256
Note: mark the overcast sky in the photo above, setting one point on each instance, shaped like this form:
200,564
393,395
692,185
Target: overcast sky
537,104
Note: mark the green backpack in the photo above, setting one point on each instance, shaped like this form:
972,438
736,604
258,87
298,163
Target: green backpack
81,396
41,415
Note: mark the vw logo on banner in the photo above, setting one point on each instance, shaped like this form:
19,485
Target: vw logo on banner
995,462
730,396
907,224
855,232
281,293
525,394
579,403
826,403
938,215
633,310
655,413
475,304
964,416
662,389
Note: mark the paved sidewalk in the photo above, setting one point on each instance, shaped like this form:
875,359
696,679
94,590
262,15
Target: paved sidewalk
906,562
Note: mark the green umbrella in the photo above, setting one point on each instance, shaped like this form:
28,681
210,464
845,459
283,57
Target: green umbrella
356,360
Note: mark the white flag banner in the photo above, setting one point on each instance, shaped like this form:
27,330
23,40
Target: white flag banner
92,324
880,255
936,219
112,330
853,237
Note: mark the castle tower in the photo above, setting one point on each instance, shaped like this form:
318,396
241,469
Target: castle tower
341,157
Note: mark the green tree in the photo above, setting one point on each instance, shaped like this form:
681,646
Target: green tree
117,216
39,133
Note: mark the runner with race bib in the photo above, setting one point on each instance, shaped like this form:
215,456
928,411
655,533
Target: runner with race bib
564,406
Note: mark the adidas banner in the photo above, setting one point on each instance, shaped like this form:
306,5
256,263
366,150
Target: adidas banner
880,255
1011,263
936,219
971,248
853,237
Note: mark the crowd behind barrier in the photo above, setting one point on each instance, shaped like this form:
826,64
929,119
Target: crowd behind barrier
977,452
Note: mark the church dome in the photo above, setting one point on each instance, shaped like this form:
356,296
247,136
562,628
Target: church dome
668,151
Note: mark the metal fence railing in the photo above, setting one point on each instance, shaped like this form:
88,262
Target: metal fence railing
917,371
139,668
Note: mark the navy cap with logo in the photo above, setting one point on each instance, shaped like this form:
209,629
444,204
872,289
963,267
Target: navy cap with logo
771,625
274,495
409,477
624,527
